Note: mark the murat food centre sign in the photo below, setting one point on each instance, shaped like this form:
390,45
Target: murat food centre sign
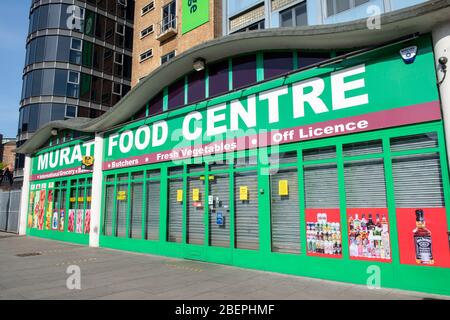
194,14
368,96
62,162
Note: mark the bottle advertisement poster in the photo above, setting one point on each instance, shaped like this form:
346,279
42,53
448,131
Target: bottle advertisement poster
87,222
79,220
369,234
323,233
40,209
71,222
49,213
423,238
62,215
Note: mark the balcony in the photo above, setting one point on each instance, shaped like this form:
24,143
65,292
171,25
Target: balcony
167,28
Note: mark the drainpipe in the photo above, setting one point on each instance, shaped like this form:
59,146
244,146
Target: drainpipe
24,197
97,183
441,42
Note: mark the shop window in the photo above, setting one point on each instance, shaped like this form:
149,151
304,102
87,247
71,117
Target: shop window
219,210
323,221
121,208
367,213
244,71
176,199
137,195
218,78
306,59
319,154
420,141
196,86
155,105
246,210
361,148
176,94
277,63
153,207
285,211
195,208
109,207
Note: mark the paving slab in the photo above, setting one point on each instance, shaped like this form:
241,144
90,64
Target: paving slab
110,274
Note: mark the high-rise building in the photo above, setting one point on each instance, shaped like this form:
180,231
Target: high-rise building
78,61
247,15
164,29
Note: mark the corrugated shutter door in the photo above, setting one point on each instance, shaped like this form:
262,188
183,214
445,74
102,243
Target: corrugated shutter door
321,186
418,181
195,223
365,186
175,211
4,199
220,234
136,210
153,209
246,211
109,207
121,226
14,208
285,213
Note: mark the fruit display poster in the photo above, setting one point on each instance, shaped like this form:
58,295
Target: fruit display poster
369,234
423,242
323,233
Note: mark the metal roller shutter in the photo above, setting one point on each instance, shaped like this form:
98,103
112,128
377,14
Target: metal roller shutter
419,141
285,213
14,209
195,223
219,235
418,181
122,206
109,208
153,209
246,211
4,201
365,186
175,211
321,186
136,210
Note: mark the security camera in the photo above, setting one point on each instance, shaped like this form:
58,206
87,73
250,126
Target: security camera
443,61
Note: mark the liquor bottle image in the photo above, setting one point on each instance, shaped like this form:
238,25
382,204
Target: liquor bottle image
422,240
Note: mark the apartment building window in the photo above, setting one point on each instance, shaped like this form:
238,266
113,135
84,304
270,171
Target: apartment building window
260,25
169,20
120,29
165,58
146,55
146,31
295,16
73,84
147,8
338,6
76,48
117,89
70,112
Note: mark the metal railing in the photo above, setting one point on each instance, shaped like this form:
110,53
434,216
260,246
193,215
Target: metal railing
168,24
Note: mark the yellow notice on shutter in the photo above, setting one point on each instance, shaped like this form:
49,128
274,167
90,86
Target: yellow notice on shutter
80,199
89,199
283,188
72,199
180,195
195,194
243,193
122,195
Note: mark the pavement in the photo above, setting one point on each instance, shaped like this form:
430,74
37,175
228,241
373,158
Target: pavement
109,274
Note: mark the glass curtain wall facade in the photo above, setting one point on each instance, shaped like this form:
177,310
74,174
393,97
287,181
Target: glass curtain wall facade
78,62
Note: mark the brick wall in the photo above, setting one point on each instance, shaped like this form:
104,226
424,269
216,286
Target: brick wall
179,43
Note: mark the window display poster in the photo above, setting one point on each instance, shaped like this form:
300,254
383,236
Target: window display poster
71,222
323,233
31,209
79,220
55,220
41,209
87,222
62,220
369,234
422,237
36,210
49,213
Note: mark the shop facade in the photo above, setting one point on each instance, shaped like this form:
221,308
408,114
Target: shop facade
337,170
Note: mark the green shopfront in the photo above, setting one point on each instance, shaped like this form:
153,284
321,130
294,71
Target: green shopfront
337,170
